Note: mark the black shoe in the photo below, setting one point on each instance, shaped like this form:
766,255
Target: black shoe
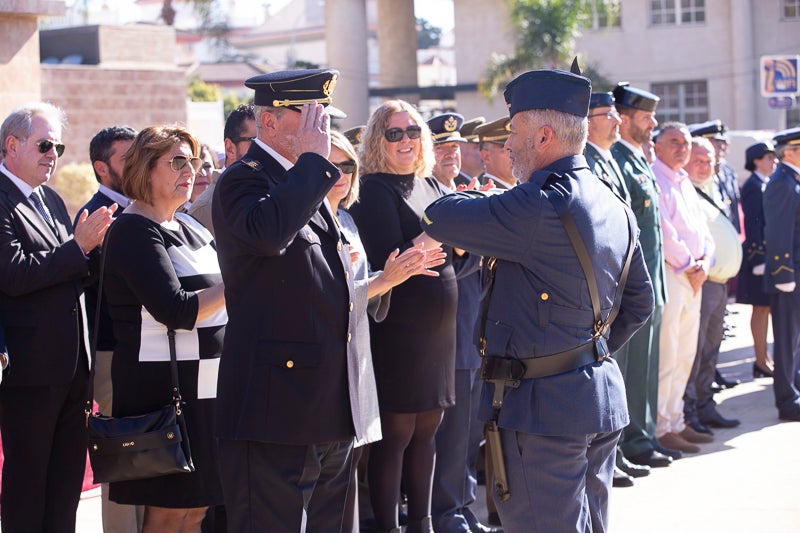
494,519
789,416
669,452
651,458
723,382
715,420
632,469
759,372
621,479
700,428
716,387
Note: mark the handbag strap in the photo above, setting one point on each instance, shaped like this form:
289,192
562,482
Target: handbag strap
173,359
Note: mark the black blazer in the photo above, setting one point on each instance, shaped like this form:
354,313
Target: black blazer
105,339
41,290
289,294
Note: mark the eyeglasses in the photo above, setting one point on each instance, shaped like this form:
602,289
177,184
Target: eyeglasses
45,146
180,161
346,167
611,114
394,135
237,140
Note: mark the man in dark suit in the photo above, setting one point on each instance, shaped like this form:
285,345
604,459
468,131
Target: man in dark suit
285,420
107,153
782,240
558,400
45,388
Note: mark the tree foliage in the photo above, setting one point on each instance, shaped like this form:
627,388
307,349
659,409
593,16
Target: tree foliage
428,35
546,31
200,91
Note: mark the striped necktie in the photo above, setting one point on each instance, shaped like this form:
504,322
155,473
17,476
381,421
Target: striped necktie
42,209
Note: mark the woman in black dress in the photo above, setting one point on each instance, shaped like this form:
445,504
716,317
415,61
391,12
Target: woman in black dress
413,348
760,160
161,272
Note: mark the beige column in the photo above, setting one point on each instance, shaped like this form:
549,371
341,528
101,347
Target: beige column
476,38
346,44
745,67
20,75
397,46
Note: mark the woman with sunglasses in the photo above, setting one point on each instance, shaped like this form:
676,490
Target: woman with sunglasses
414,347
161,273
372,296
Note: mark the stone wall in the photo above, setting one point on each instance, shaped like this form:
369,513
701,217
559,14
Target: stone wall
95,97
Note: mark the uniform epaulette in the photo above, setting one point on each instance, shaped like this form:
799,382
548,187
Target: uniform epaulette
252,163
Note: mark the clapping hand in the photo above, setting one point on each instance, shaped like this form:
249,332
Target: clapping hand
474,186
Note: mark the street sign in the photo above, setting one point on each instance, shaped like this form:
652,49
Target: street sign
779,75
781,102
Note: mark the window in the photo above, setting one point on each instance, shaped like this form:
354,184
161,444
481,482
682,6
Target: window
607,14
685,101
791,9
672,12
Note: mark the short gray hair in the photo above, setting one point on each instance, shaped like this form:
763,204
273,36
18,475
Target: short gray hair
19,122
261,109
570,130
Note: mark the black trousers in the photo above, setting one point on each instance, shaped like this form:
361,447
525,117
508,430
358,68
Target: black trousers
285,488
44,444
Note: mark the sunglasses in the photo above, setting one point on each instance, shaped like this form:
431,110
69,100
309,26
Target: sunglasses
237,140
45,146
180,161
346,167
394,135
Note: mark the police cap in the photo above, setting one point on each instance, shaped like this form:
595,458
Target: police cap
549,89
293,88
787,137
756,151
468,129
354,135
627,96
495,132
601,100
711,129
444,128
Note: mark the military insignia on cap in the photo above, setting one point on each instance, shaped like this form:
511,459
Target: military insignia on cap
329,86
451,124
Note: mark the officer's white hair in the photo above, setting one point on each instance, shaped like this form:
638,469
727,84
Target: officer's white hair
19,123
570,130
261,109
780,151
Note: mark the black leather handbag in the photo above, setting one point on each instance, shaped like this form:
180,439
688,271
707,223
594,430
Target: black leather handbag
144,446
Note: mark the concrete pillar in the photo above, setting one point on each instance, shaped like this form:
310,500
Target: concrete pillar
745,67
20,74
397,46
346,45
476,38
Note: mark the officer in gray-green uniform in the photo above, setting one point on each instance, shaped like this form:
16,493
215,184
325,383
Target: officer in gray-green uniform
640,356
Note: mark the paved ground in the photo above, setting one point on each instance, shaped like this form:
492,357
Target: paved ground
743,482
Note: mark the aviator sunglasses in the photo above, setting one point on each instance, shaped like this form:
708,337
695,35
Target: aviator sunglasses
45,146
346,167
394,135
180,161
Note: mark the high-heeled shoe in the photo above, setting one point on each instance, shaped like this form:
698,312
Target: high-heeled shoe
759,372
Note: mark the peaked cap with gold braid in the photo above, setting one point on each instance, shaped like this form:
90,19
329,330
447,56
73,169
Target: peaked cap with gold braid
293,88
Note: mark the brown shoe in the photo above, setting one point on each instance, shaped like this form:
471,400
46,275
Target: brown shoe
676,442
691,435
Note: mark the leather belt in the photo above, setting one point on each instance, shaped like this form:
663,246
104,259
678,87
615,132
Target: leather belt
513,369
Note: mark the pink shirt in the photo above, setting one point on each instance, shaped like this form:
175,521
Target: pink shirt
686,234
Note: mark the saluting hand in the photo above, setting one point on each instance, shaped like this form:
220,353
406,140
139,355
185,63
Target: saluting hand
313,133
